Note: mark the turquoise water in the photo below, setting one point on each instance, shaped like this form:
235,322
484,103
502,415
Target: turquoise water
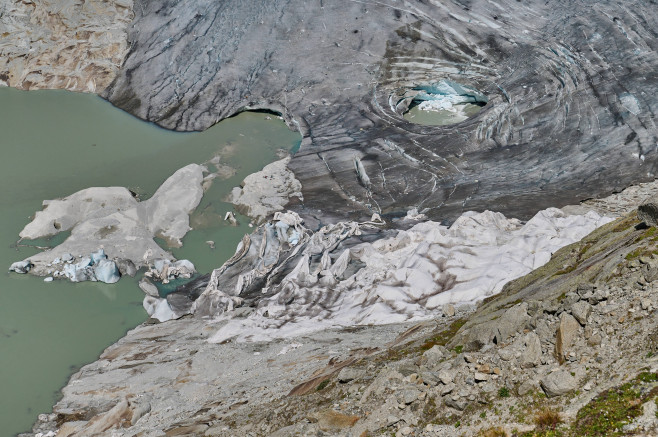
54,143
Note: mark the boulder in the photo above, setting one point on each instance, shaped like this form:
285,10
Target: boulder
531,355
330,420
433,356
648,213
567,332
446,376
511,322
581,311
409,395
348,374
558,383
526,387
430,378
126,267
456,402
148,287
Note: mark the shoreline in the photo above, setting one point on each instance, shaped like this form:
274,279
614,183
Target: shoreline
180,349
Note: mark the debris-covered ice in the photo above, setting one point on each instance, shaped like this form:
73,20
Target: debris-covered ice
407,277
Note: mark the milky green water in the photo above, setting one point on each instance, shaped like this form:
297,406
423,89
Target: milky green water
441,117
54,143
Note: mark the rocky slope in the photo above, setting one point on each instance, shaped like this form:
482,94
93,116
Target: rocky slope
76,45
569,88
571,346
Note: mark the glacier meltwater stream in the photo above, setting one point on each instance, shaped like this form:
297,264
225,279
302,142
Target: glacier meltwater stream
55,143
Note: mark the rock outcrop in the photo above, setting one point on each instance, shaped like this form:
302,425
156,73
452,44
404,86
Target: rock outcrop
78,45
648,213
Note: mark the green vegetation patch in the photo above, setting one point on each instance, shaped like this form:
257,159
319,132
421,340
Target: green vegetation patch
607,413
323,385
577,259
443,337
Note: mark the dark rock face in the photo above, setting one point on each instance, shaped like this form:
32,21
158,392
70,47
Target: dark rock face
571,88
648,213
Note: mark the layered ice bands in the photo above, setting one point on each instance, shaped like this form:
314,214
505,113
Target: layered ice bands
406,277
446,94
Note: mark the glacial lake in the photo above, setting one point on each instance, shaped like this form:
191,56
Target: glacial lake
55,143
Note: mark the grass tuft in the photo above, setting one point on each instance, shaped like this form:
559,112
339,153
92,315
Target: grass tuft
547,419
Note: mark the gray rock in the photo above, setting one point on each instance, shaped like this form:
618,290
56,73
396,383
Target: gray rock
448,388
648,213
348,374
599,295
650,273
446,376
497,330
430,378
392,420
543,329
506,353
448,310
511,322
566,335
581,311
558,383
526,387
433,356
456,402
409,395
645,304
480,377
570,298
551,306
584,289
406,368
126,267
140,410
594,340
531,355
